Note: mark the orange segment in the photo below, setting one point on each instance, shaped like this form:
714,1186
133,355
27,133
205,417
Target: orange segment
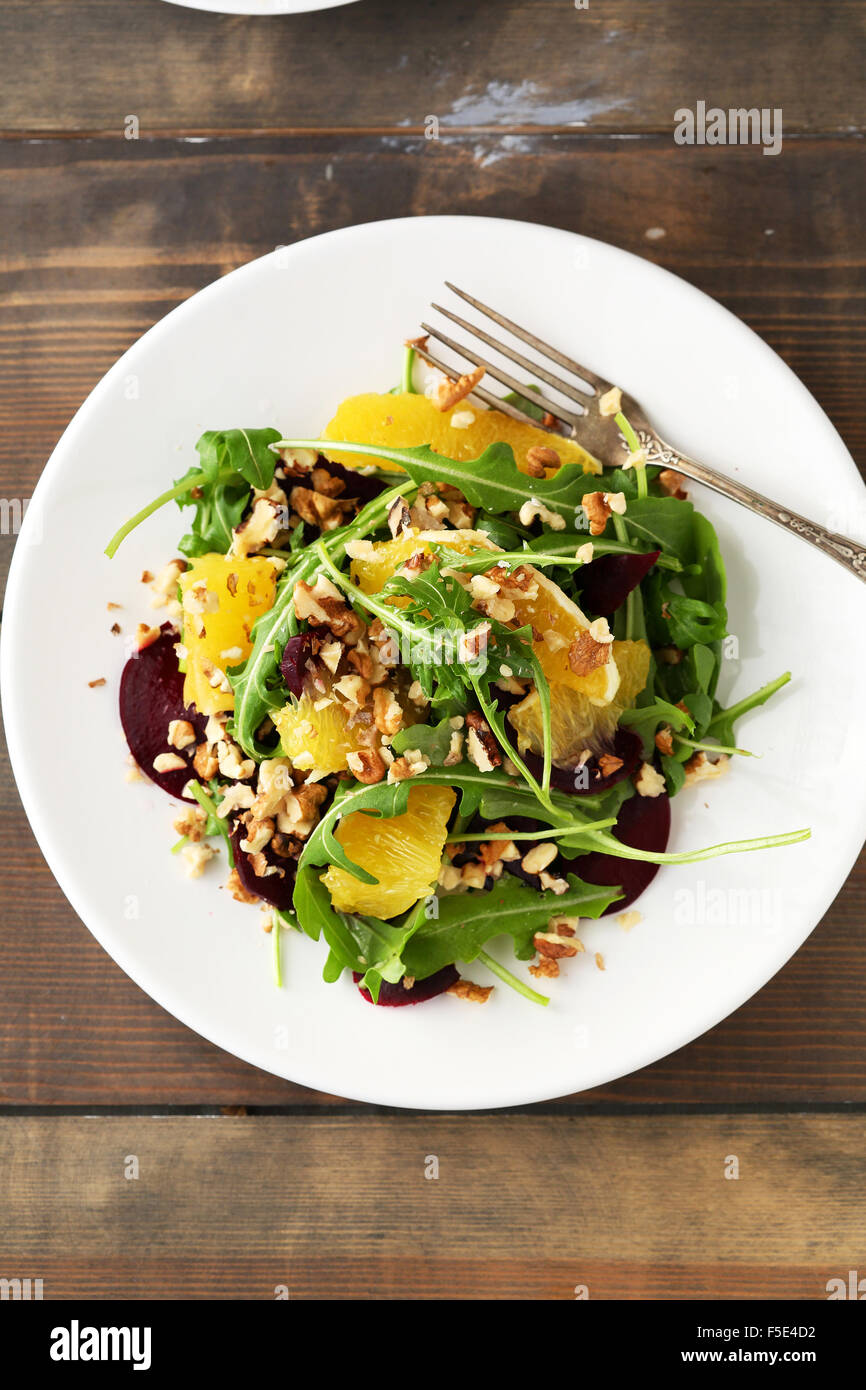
404,421
551,614
222,598
403,853
317,738
576,721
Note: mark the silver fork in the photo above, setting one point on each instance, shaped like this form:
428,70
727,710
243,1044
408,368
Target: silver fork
600,434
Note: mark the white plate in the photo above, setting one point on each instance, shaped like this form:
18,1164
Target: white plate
280,342
261,6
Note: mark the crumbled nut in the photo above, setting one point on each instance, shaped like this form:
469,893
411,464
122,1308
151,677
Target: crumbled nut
300,813
367,765
539,459
611,402
473,643
100,680
165,585
115,628
672,482
399,517
448,393
554,885
237,889
354,689
597,511
553,640
359,550
260,528
627,920
565,926
180,733
539,857
467,989
649,782
449,877
473,875
608,764
584,553
669,656
586,654
191,823
238,797
205,762
197,856
327,513
232,763
387,714
546,968
533,508
416,694
146,577
599,960
326,483
324,606
699,768
262,869
599,630
481,745
554,946
330,654
462,419
168,762
455,749
482,586
664,741
635,459
145,636
258,834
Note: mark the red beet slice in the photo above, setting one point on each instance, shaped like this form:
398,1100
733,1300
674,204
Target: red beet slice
606,583
395,996
360,487
626,745
151,695
293,664
273,888
644,822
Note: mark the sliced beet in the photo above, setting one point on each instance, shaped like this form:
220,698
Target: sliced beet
275,889
644,822
293,664
625,745
395,996
360,487
606,583
151,695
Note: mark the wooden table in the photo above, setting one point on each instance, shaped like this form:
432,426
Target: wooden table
253,133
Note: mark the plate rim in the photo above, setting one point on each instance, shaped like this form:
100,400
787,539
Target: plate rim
166,998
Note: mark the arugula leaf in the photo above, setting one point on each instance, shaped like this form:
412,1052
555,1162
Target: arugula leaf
465,924
231,462
492,481
666,522
433,740
647,719
721,726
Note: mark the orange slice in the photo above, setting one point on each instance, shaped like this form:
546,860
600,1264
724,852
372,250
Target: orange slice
222,598
404,421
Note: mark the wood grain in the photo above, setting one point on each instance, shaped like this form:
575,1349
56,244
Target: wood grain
523,1207
103,237
624,65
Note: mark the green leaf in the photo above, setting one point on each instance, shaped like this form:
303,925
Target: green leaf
492,481
721,726
664,521
433,740
466,923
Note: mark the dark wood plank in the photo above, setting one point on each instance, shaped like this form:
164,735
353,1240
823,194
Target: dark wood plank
83,65
286,1203
102,238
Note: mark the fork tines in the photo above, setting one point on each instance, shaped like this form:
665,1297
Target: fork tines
580,398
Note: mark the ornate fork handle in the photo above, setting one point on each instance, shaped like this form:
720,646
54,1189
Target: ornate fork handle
850,554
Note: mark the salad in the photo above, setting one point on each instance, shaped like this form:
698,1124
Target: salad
432,680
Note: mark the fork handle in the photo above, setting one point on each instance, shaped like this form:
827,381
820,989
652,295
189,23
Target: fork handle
848,553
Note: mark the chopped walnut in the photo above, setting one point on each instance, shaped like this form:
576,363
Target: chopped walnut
481,746
699,768
145,636
609,764
649,782
399,517
260,528
180,733
628,920
611,402
597,511
197,856
539,459
467,989
238,797
586,654
547,968
367,765
540,857
205,762
664,741
324,606
237,889
191,823
327,513
387,714
533,508
556,946
473,643
672,482
168,762
448,393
